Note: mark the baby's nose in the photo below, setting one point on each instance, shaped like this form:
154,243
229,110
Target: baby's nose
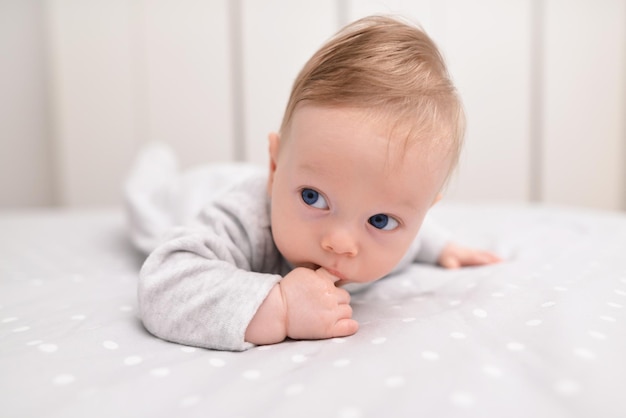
340,241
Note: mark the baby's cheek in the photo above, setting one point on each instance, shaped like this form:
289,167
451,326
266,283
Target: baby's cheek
387,260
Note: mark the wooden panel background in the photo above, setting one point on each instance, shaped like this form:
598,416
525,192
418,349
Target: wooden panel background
86,83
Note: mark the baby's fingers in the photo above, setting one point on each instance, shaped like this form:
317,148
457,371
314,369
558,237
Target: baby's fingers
344,327
343,297
450,262
479,258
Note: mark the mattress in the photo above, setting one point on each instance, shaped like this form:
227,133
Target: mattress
542,334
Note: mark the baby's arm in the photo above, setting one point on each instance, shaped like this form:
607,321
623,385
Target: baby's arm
195,290
434,246
306,304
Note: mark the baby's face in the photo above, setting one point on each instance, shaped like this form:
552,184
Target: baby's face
345,197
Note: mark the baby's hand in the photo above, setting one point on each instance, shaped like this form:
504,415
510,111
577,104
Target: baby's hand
315,307
454,256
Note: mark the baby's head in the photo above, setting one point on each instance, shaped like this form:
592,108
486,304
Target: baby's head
371,133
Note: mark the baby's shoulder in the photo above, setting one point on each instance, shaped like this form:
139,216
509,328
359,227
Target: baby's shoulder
244,199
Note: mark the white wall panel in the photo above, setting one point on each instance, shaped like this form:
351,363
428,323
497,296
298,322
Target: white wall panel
183,78
129,72
92,98
488,47
279,36
422,12
585,109
25,165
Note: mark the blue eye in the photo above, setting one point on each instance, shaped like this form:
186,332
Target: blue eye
314,199
382,221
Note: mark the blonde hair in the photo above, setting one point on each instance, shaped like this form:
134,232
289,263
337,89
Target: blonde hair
390,67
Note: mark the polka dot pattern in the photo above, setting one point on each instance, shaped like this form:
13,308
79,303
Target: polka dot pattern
542,329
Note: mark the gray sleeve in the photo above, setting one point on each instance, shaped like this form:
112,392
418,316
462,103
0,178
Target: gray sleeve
426,247
431,240
203,286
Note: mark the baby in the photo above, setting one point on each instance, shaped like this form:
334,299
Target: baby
371,132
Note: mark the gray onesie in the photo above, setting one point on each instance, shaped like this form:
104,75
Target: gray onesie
204,283
212,258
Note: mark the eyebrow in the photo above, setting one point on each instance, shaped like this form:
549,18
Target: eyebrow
311,167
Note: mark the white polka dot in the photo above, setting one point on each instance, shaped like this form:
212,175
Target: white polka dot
126,308
597,335
294,389
21,329
9,319
379,340
34,342
479,313
534,322
584,353
394,381
251,374
462,399
77,278
492,371
560,288
458,335
548,304
497,295
48,348
567,387
620,292
343,362
615,305
186,349
607,318
299,358
78,317
338,340
160,372
110,345
350,412
36,282
470,285
217,362
189,401
515,346
63,379
411,319
132,360
454,302
623,280
430,355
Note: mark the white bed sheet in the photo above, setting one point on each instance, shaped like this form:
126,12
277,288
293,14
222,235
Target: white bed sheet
542,334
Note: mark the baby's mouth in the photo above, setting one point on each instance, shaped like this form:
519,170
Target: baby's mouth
337,274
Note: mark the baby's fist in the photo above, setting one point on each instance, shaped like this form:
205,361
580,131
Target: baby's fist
316,308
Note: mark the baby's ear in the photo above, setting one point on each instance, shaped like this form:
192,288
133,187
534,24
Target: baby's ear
274,145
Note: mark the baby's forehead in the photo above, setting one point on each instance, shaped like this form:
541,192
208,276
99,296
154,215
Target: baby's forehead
403,131
332,140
